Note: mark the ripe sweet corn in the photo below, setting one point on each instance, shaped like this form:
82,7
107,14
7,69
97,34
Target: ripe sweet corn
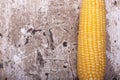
91,57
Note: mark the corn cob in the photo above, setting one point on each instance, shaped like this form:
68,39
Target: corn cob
91,57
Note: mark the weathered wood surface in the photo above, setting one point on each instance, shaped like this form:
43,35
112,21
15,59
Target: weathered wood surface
38,39
113,40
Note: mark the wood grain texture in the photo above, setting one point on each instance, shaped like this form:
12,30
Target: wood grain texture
38,39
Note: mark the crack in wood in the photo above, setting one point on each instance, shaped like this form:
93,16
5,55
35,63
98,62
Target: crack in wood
40,59
1,35
34,31
27,40
51,40
1,65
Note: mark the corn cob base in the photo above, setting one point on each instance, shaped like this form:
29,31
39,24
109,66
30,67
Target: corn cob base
91,40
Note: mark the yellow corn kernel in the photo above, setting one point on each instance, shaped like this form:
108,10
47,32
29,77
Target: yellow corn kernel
91,56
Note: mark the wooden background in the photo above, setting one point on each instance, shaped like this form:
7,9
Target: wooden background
38,39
